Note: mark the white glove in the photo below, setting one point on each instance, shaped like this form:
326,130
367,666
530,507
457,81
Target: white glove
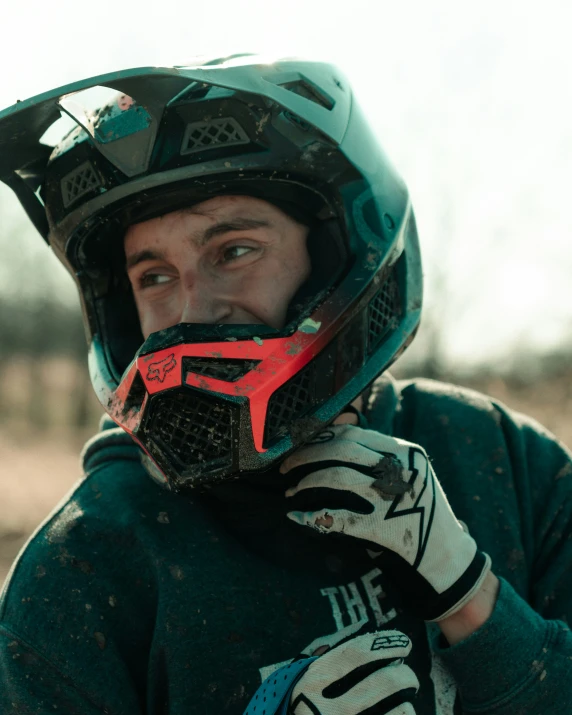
383,491
365,672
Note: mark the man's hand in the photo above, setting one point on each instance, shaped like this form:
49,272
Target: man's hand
365,672
384,492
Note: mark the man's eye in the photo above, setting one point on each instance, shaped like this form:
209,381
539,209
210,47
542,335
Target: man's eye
153,279
233,252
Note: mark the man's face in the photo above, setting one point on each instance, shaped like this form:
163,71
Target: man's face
231,259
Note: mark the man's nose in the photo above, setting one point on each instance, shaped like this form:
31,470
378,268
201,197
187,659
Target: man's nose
201,305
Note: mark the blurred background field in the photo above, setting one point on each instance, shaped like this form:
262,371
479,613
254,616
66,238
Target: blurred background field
472,103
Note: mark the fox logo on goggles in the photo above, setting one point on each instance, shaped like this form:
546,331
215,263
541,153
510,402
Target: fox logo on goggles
158,370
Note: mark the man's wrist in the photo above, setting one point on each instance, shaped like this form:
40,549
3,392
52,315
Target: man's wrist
473,614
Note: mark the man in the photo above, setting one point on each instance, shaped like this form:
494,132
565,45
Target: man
248,264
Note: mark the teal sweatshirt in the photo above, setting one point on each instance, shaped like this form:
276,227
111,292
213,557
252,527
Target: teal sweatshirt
129,599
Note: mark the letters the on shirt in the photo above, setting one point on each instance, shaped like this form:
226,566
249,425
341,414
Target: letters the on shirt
355,604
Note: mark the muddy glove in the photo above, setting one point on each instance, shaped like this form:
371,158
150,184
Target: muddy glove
363,673
384,492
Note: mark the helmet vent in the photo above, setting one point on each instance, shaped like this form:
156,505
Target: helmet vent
300,396
289,402
212,134
191,430
229,370
309,91
78,182
137,394
384,311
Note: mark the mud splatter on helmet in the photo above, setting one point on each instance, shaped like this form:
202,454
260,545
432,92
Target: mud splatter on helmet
206,402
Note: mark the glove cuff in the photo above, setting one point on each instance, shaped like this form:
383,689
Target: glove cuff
422,598
469,583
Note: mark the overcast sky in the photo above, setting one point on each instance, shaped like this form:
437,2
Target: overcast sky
473,102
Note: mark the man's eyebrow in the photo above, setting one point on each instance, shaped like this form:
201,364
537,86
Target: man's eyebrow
140,256
235,224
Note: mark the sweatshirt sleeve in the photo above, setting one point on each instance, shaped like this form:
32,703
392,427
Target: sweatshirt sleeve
76,617
31,684
520,660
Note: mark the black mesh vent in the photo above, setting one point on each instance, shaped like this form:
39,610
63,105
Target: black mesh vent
291,401
384,311
191,429
229,370
79,182
212,134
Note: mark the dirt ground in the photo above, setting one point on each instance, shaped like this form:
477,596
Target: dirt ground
37,472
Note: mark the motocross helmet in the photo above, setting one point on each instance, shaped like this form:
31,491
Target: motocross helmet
208,402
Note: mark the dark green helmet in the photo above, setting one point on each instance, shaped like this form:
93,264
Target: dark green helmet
289,132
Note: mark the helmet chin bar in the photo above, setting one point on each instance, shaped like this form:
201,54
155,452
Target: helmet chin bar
275,360
215,394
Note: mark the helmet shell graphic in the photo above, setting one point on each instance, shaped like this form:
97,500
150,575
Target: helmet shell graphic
209,402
